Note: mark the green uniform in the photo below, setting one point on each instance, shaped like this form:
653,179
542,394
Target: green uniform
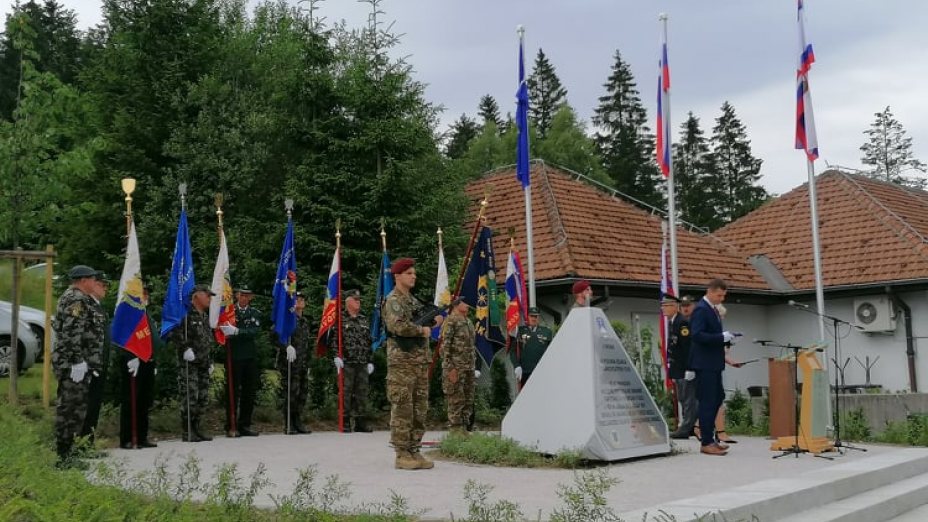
457,353
193,377
407,371
302,341
533,341
80,336
356,354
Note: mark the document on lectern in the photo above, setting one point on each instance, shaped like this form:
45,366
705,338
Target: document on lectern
586,394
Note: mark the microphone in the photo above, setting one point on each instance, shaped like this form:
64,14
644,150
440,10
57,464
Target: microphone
762,341
797,305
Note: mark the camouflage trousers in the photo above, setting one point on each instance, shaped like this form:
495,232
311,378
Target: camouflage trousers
356,387
408,393
70,411
193,385
459,397
299,385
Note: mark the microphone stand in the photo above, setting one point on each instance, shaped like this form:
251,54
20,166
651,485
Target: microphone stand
839,372
795,449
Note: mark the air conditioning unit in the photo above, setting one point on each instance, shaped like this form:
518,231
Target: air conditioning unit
874,314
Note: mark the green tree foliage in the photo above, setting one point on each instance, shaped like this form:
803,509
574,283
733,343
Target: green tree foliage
488,110
568,145
623,138
462,132
888,152
692,171
732,191
546,94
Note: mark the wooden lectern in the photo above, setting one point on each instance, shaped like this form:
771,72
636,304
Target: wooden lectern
782,397
814,412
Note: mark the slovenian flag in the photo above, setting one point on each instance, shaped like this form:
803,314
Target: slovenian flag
330,308
805,121
130,327
221,309
663,109
666,290
517,307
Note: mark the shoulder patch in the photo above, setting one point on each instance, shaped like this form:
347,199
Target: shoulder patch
684,331
395,307
76,309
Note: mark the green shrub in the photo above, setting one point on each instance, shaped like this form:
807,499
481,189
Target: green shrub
585,500
854,425
480,448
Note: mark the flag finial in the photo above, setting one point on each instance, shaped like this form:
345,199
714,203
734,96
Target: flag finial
520,30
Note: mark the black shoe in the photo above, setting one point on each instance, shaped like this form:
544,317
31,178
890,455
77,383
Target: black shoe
191,438
247,432
126,445
297,426
200,434
361,427
147,444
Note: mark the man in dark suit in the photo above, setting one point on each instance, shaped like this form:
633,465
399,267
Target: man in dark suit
707,359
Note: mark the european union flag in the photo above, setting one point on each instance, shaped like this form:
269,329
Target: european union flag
479,291
384,287
522,166
181,282
284,313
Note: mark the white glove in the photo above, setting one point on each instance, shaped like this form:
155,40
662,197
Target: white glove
476,374
370,368
188,355
727,337
211,368
155,371
78,371
689,375
133,366
228,329
339,363
291,353
518,372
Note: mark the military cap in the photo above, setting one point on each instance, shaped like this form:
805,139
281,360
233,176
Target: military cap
300,295
580,286
669,299
244,290
83,271
353,293
533,310
202,288
401,265
687,299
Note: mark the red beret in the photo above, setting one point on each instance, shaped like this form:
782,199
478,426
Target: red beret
580,286
401,265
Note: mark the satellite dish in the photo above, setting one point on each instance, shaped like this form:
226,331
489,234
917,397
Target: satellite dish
866,313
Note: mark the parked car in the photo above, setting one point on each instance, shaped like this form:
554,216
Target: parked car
35,318
28,344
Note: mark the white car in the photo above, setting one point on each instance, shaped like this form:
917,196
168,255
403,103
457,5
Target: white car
35,319
28,344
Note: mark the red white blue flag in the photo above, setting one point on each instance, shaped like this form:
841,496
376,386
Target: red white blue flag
666,290
221,308
805,121
330,308
130,323
663,110
516,297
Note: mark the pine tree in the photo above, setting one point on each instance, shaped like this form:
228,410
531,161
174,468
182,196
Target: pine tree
691,170
489,111
462,132
731,189
624,140
889,152
546,94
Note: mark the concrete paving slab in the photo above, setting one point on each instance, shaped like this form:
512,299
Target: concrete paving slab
366,462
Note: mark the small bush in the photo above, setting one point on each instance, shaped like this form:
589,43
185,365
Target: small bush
585,500
479,448
479,508
854,426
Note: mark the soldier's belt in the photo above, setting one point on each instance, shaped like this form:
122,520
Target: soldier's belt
407,344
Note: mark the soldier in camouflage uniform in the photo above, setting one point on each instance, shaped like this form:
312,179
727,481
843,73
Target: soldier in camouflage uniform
407,368
357,365
193,339
457,366
80,330
298,355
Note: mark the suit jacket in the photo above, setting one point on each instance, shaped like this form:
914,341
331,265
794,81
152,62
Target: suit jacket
707,346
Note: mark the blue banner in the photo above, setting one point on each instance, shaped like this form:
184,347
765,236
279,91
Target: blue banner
479,291
181,282
384,287
284,312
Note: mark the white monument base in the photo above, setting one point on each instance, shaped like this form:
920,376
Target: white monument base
585,394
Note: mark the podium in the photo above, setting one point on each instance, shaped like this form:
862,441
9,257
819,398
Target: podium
814,412
782,397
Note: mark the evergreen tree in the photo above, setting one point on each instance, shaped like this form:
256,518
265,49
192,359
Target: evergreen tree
889,152
546,94
733,190
462,132
692,167
568,145
624,140
488,111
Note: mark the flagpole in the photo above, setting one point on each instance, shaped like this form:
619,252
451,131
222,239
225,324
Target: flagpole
527,193
816,250
671,192
338,324
128,186
233,427
182,190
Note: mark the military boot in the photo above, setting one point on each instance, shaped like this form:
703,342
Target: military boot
360,425
184,433
405,460
199,433
297,425
423,462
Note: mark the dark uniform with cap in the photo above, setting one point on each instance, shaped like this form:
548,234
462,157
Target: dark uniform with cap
532,342
302,341
194,334
81,338
356,358
245,372
678,355
457,367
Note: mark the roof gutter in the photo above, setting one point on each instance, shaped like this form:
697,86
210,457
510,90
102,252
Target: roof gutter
909,337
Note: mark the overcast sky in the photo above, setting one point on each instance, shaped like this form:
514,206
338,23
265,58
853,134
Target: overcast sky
868,56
